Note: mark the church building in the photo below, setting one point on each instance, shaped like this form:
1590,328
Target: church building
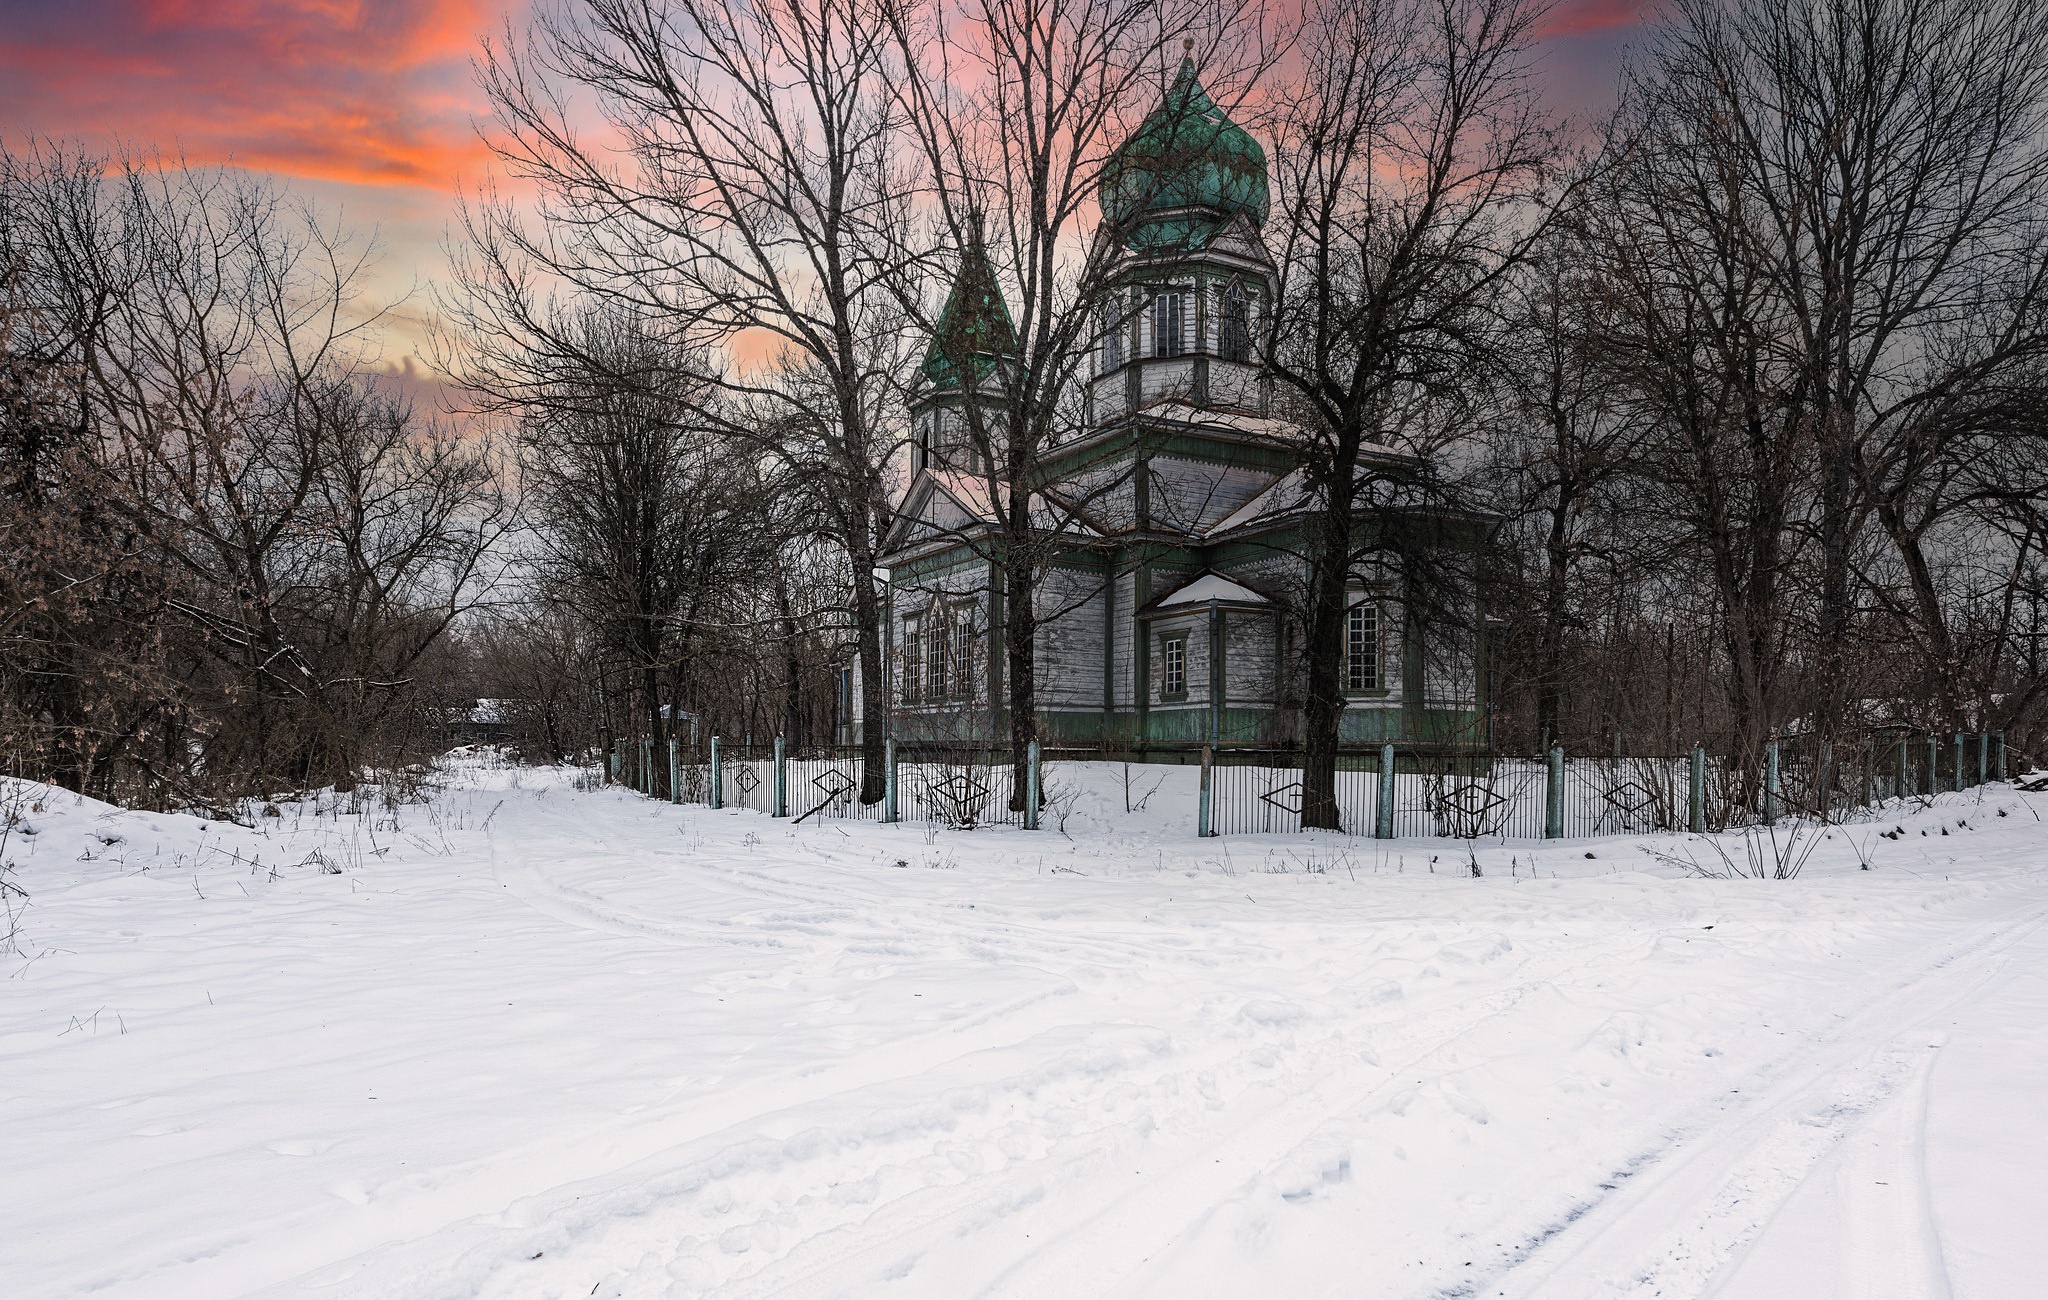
1170,606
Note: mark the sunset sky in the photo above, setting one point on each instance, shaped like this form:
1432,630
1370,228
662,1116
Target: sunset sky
369,105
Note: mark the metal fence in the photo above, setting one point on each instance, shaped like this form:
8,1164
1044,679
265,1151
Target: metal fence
1387,792
948,786
1393,792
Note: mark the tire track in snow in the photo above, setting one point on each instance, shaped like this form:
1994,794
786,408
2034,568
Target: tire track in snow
1676,1218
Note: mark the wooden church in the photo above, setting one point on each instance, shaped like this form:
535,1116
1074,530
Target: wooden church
1170,605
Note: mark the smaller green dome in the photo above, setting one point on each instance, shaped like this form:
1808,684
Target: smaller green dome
974,330
1186,154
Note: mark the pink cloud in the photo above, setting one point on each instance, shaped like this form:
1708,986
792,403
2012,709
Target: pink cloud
366,91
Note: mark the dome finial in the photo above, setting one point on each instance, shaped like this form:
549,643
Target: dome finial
1187,46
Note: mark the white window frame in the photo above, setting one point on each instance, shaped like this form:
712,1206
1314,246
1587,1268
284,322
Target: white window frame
913,659
938,656
1364,666
1169,323
1173,664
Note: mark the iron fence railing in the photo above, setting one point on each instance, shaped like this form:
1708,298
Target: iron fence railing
1386,792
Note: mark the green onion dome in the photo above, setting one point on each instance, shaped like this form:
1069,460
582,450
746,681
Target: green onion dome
1187,153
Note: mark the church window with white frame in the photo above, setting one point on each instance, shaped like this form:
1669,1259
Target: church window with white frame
1169,323
1362,647
913,658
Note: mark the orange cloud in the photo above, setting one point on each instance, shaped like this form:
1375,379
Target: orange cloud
367,91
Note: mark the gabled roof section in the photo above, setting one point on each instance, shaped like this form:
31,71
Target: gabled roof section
1209,586
952,505
1285,496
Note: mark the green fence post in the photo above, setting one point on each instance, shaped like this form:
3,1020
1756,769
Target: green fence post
1903,785
1031,786
1553,795
1933,765
717,776
1771,783
1697,806
614,757
889,780
1958,763
675,785
1204,816
781,805
1383,816
1983,757
1998,763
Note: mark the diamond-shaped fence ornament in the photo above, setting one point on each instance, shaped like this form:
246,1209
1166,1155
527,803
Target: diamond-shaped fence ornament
957,798
1470,809
1629,800
833,782
1286,796
747,782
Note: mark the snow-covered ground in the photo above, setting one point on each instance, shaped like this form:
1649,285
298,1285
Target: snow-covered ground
526,1040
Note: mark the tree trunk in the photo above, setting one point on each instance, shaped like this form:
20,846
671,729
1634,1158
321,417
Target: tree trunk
1322,710
1020,646
874,679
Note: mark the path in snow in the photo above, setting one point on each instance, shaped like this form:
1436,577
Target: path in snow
534,1042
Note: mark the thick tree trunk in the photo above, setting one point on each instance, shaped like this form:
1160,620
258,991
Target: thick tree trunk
1322,712
868,613
1020,647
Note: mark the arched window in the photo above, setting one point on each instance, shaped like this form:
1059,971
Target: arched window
1234,341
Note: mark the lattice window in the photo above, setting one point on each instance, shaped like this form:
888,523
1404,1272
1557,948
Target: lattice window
1362,647
963,651
938,657
1173,667
913,660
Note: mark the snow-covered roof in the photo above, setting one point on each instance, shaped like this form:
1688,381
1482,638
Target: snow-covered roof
1212,586
1288,492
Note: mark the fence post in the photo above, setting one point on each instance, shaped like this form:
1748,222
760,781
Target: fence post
1998,764
781,779
1983,757
1031,786
1933,765
1904,784
1553,795
1697,806
889,779
1958,761
614,757
1204,818
1771,783
717,776
647,765
675,786
1383,815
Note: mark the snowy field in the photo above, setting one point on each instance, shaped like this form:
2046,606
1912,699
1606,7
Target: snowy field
526,1040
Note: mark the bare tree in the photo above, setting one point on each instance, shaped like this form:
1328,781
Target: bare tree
762,146
1020,107
1411,157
